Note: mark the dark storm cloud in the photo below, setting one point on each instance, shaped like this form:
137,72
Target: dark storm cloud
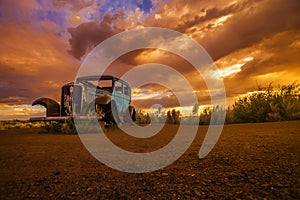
280,56
211,13
252,25
276,62
252,21
90,34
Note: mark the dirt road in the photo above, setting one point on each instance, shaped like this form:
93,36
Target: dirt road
250,161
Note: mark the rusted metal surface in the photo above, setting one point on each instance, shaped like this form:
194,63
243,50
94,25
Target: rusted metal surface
111,94
52,107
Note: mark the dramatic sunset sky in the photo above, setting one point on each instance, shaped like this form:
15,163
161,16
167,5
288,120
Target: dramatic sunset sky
43,42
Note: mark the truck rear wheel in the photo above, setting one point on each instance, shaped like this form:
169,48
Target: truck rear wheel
109,113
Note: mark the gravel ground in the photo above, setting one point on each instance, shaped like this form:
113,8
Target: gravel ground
250,161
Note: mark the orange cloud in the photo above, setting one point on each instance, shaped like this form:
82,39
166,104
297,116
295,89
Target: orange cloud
33,63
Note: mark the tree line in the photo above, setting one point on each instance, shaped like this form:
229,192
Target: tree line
266,104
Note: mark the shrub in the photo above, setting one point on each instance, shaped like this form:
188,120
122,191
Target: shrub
142,118
173,117
268,104
52,127
5,125
207,116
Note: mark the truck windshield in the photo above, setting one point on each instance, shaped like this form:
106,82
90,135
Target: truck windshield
105,84
91,88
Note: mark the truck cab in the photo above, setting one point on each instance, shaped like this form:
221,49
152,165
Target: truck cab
88,94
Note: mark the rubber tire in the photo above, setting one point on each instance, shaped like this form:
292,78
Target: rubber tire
109,111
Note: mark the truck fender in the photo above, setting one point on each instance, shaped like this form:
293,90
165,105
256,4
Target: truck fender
52,107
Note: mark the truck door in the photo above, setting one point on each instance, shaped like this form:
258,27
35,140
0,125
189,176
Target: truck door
118,96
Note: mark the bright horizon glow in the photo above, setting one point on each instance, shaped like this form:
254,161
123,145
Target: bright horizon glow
230,70
185,111
152,95
21,112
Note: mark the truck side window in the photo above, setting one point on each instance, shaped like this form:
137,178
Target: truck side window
118,87
126,90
